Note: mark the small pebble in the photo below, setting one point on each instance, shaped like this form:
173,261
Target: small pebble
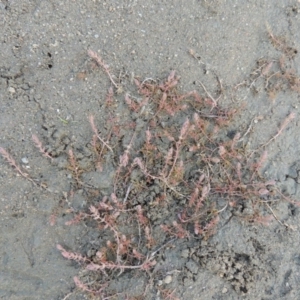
185,253
159,283
224,291
11,90
168,279
25,160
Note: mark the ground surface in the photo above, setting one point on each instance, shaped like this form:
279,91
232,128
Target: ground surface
49,88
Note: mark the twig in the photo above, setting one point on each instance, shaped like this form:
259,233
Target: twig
208,93
105,67
289,118
276,218
164,245
248,130
67,296
148,79
199,59
138,161
222,209
127,193
148,262
95,130
267,80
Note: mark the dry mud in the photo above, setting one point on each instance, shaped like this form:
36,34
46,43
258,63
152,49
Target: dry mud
49,88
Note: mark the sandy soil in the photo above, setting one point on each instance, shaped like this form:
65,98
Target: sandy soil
49,88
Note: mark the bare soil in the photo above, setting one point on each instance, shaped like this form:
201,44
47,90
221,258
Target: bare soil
49,87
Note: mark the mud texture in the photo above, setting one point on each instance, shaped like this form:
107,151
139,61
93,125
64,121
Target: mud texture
50,86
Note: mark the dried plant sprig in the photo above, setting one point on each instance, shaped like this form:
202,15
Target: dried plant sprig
210,227
81,285
95,130
284,124
102,64
71,255
215,102
171,82
124,158
260,162
280,43
109,101
94,292
175,230
141,218
137,161
40,146
168,294
131,103
147,264
168,161
74,166
195,193
135,105
13,163
183,133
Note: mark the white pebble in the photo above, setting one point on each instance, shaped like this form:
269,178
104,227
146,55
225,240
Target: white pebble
25,160
11,90
168,279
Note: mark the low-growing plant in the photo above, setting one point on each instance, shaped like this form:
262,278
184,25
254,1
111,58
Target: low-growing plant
177,168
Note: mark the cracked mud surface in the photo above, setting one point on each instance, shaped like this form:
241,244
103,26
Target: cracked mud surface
49,87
